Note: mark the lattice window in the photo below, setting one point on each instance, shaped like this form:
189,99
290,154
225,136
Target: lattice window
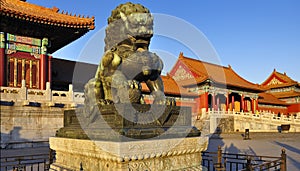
19,69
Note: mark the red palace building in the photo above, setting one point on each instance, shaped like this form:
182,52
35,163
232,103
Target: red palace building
284,89
29,33
221,88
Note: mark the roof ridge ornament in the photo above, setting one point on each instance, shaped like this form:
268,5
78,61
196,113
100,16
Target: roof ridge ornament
181,55
55,9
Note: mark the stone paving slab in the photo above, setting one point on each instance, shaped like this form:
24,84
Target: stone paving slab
264,144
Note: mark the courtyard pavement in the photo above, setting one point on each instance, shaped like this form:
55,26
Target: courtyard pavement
264,144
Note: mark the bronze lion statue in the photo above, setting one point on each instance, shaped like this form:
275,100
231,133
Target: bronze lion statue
127,62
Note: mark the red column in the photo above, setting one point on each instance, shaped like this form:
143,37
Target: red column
198,105
50,69
213,101
2,67
206,101
256,104
232,102
2,60
43,71
252,105
227,101
242,102
44,64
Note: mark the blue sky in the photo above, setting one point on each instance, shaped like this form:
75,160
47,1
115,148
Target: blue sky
254,37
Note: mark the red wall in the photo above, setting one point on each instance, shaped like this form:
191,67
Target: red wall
294,108
275,110
203,101
193,104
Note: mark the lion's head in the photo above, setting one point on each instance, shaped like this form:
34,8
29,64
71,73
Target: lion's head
129,24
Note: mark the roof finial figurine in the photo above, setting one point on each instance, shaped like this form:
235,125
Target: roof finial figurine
181,55
55,9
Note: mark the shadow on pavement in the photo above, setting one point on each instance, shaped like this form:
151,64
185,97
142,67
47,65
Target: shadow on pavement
231,149
13,136
293,161
288,147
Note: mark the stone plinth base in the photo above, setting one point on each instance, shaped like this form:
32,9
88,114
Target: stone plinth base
123,122
162,154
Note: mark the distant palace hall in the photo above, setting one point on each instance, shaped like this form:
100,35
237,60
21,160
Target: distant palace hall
30,33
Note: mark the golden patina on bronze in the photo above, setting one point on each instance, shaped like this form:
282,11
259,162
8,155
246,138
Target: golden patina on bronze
127,62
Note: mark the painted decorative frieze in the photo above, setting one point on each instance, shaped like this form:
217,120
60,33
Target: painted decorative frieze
25,40
274,81
23,44
181,74
23,47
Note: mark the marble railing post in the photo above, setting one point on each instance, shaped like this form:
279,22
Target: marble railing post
71,93
23,91
48,92
292,119
213,124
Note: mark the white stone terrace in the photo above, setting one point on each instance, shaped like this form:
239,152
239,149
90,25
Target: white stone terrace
260,121
25,96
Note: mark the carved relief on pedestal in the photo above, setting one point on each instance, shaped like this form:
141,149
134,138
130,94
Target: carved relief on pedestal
140,165
172,154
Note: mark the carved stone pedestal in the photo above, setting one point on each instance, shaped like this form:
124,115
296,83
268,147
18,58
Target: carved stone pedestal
124,122
155,154
127,137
